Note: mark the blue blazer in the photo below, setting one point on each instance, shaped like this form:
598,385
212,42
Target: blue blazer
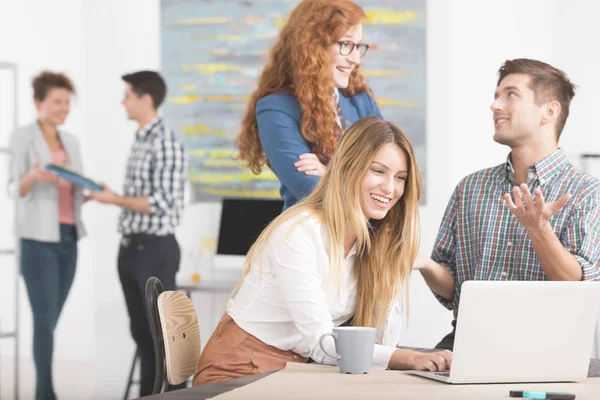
278,117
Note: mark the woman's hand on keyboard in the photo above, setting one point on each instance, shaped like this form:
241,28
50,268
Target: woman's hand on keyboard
435,362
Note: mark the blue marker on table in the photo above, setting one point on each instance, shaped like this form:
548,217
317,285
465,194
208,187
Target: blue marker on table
532,394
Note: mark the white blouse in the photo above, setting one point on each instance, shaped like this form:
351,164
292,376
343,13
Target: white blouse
336,101
293,301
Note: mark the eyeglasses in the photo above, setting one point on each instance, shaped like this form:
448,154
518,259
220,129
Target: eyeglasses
348,46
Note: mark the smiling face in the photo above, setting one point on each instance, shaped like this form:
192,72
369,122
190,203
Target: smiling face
55,107
383,185
341,65
516,115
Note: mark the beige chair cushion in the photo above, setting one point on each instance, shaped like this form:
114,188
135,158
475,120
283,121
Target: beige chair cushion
181,335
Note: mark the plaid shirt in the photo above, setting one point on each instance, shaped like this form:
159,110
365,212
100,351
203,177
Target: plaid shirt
157,169
480,239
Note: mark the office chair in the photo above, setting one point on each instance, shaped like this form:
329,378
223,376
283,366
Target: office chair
175,334
131,380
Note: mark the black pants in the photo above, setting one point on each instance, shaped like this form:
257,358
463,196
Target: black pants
447,342
141,257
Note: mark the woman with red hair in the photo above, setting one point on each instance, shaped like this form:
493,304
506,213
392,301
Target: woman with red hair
309,93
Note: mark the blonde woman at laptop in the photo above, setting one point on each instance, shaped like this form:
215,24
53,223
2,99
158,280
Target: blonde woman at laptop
341,256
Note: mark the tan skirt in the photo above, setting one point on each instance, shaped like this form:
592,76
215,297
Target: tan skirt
231,352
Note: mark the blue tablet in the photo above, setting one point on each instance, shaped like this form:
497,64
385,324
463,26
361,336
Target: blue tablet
73,177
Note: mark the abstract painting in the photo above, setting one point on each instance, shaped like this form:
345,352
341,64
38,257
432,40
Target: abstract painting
214,50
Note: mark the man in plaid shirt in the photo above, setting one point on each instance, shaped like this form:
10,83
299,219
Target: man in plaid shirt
534,217
151,203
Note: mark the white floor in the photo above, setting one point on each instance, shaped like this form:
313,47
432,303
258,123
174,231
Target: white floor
73,380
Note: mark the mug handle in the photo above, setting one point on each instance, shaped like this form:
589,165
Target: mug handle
334,336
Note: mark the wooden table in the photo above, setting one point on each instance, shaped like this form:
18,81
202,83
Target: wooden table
208,391
407,386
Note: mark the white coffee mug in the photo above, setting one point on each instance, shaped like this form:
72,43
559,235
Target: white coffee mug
354,345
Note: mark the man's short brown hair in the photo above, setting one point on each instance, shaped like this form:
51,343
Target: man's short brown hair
548,84
150,83
46,80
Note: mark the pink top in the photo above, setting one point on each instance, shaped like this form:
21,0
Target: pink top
66,209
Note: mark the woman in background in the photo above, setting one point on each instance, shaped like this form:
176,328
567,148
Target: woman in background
48,215
343,255
309,93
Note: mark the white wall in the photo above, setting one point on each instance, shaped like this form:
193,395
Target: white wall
97,41
121,37
36,35
576,40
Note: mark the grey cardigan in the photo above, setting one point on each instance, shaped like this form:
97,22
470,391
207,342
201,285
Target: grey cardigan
37,213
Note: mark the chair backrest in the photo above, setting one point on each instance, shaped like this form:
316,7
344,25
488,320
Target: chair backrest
181,335
154,288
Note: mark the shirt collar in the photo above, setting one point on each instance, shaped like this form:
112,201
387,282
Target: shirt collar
545,168
352,251
142,133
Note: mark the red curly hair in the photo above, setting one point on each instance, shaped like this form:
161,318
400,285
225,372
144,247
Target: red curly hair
299,64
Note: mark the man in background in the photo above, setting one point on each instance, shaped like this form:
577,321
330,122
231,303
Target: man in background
152,202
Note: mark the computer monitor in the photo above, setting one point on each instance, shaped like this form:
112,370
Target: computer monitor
242,221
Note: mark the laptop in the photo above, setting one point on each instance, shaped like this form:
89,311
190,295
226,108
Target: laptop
518,331
242,221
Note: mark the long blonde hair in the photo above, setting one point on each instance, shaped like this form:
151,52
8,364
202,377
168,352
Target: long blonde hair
386,249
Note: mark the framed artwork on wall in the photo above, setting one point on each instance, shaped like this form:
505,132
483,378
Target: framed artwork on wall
214,50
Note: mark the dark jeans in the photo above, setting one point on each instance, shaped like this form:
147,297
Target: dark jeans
48,270
141,257
447,342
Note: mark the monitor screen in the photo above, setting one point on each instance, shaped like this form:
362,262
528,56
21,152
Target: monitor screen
242,220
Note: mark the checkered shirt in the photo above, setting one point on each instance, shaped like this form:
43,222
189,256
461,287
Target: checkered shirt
480,239
157,169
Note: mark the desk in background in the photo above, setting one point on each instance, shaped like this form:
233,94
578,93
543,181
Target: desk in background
209,286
